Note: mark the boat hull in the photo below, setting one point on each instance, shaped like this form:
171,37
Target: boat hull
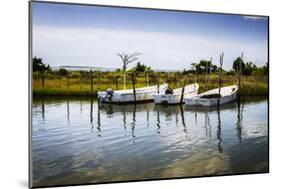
191,91
228,94
193,101
214,101
123,97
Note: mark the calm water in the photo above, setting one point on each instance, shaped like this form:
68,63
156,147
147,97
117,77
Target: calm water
76,141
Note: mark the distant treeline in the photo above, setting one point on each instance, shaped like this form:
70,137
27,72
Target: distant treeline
203,67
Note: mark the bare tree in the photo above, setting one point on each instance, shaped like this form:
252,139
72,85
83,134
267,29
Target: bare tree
126,60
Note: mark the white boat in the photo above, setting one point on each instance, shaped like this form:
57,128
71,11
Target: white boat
211,97
175,96
144,94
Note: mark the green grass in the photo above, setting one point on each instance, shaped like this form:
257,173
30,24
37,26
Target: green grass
61,86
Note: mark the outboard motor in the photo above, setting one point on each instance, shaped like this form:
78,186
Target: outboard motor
109,94
169,91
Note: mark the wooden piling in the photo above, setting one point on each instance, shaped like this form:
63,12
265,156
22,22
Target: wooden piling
220,76
182,91
116,82
67,81
42,78
176,76
134,89
206,77
81,82
158,80
208,73
147,78
91,82
255,78
166,78
240,72
98,80
124,79
241,67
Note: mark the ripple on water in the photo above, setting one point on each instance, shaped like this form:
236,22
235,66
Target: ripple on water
75,141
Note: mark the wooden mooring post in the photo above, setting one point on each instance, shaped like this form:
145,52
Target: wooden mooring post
81,82
98,80
147,78
195,72
42,78
241,69
166,78
182,90
239,75
158,81
116,82
124,79
208,73
177,78
134,89
220,77
206,76
67,81
255,77
91,82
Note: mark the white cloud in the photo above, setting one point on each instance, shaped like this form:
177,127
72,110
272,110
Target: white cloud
98,47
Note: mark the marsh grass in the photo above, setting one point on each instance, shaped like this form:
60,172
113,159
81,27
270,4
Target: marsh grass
80,85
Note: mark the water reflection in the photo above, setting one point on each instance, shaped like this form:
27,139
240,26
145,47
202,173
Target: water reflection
141,141
98,120
67,113
182,119
124,120
133,124
167,112
81,107
43,109
158,121
220,149
207,126
195,115
91,113
147,118
239,119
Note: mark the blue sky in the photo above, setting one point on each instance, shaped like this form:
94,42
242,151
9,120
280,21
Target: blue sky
91,36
